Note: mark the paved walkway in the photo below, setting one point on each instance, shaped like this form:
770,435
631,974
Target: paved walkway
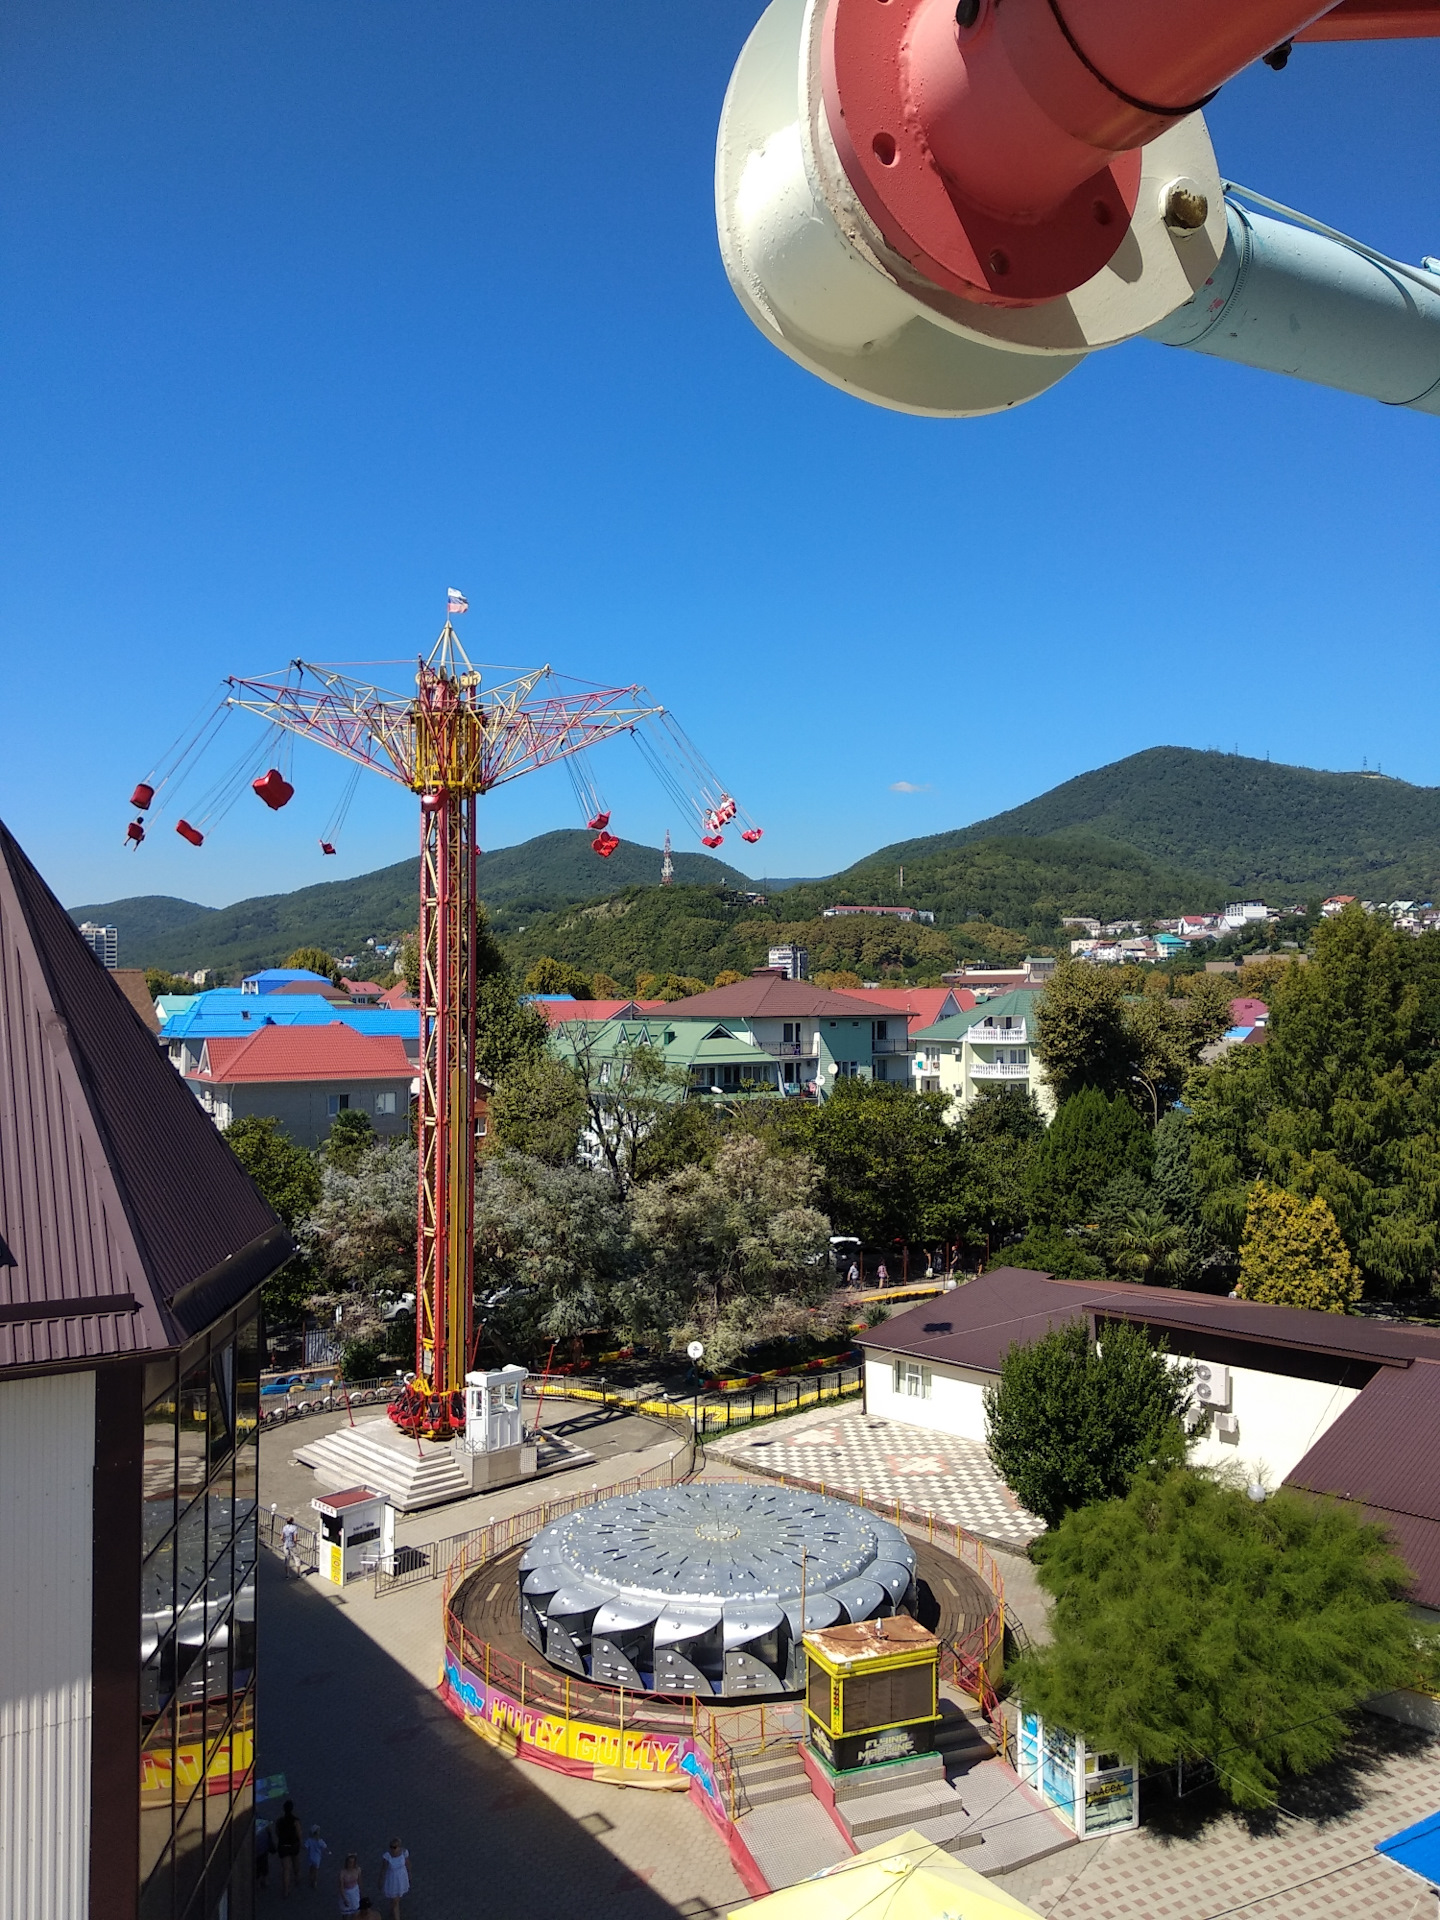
1317,1865
886,1460
349,1714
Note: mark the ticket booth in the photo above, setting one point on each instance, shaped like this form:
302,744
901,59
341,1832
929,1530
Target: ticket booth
349,1532
872,1692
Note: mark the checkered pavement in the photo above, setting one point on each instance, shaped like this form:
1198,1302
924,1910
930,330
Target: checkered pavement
925,1471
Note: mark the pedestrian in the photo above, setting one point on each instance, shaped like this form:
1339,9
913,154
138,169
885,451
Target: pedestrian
882,1275
350,1885
287,1845
315,1852
264,1847
852,1279
395,1877
289,1540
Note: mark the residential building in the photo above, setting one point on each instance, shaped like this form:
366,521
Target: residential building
1035,971
277,979
1241,913
991,1045
304,1077
792,961
922,1006
227,1013
766,1034
131,982
894,913
103,942
1337,903
561,1008
1330,1402
132,1250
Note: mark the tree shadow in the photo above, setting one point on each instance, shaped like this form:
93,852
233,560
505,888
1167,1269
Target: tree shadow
1333,1792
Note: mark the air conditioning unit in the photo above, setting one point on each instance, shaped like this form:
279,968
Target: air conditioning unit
1225,1426
1212,1385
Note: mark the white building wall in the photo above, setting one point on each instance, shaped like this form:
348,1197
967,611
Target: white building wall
952,1403
47,1454
1279,1420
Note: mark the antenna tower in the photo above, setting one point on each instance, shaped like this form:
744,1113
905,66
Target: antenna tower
667,865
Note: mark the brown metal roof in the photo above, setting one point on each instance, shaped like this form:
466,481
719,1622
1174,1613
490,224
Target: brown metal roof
975,1325
770,996
1382,1453
127,1222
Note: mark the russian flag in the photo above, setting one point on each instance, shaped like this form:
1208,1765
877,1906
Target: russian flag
456,601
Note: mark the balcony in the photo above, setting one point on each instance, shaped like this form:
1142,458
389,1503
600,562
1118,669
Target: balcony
890,1046
786,1049
983,1036
998,1070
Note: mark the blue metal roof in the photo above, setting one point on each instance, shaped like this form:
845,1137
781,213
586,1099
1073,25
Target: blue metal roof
228,1015
270,977
1416,1848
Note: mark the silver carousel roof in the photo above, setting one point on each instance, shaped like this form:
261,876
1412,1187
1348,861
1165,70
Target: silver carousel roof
699,1588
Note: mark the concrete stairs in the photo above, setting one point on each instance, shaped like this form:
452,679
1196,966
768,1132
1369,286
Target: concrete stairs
914,1797
963,1738
374,1453
776,1774
787,1832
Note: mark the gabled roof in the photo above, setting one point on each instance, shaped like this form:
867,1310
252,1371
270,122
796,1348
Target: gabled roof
1016,1005
269,978
128,1224
923,1005
238,1019
131,982
771,997
558,1012
336,1052
398,996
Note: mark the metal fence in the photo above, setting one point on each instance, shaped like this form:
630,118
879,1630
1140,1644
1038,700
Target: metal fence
304,1556
742,1408
325,1396
454,1555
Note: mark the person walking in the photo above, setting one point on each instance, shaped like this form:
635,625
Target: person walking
289,1540
287,1845
882,1275
350,1885
315,1852
395,1877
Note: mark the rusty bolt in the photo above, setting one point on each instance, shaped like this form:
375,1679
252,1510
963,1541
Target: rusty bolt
1186,207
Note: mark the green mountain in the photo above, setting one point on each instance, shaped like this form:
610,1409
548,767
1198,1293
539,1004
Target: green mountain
992,902
553,870
1260,826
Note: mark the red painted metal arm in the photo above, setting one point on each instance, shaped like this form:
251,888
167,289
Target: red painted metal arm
1376,20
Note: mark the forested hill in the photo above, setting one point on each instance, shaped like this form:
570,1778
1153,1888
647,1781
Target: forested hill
1259,826
553,870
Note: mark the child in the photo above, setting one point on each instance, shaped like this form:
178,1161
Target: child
315,1852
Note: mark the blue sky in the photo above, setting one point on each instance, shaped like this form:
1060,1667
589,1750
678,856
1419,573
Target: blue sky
312,308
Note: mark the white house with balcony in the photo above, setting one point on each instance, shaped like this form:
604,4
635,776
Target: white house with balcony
991,1045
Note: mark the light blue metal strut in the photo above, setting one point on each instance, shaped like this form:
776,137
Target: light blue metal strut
1289,299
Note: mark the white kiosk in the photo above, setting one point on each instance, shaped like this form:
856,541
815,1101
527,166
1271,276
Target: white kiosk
494,1443
350,1524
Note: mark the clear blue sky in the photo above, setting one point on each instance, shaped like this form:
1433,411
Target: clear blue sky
312,308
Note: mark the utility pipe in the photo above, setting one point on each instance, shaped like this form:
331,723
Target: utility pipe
1292,301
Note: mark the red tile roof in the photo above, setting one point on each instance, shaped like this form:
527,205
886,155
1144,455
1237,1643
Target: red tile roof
398,998
922,1004
1245,1011
126,1223
336,1052
769,996
557,1012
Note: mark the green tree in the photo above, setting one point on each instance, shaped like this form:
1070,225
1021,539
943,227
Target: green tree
628,1096
360,1237
1069,1422
547,975
289,1179
551,1246
1055,1250
1092,1139
1191,1622
509,1032
538,1109
723,1244
351,1134
1343,1101
999,1134
157,981
1081,1038
313,960
891,1167
1291,1254
1152,1249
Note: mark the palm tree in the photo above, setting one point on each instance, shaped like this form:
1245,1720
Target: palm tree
1153,1250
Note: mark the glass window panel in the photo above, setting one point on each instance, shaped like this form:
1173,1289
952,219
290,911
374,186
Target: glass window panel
160,1379
245,1548
243,1623
189,1648
247,1378
157,1679
189,1848
221,1509
194,1416
221,1416
218,1697
157,1790
247,1481
157,1597
157,1901
159,1471
190,1554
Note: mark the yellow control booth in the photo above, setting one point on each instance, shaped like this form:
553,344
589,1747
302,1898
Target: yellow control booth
872,1692
349,1532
